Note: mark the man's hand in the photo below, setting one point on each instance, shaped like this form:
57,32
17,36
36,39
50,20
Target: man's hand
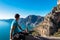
11,37
25,31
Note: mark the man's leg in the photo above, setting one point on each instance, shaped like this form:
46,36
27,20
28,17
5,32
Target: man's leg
21,37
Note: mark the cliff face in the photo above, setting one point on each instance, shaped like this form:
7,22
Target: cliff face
50,24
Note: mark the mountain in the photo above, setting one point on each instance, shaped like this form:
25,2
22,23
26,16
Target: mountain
51,23
30,21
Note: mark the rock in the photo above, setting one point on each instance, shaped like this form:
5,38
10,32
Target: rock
51,23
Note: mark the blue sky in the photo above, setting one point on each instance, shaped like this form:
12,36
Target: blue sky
8,8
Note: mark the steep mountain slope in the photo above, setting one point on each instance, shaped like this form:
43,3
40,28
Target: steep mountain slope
50,24
31,21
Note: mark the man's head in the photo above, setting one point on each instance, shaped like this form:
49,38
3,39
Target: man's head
17,16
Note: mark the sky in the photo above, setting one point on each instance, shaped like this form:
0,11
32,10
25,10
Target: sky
8,8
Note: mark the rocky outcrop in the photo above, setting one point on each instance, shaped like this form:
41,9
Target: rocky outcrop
50,24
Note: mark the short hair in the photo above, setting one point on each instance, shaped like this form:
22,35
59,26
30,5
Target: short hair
17,15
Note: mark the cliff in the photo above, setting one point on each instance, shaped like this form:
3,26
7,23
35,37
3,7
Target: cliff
50,24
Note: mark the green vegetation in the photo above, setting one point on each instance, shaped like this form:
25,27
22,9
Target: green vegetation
35,33
57,34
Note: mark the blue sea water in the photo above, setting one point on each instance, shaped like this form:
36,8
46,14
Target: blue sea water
4,30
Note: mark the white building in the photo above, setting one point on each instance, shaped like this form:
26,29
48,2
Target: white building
58,2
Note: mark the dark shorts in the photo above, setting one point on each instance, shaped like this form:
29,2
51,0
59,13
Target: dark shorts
19,36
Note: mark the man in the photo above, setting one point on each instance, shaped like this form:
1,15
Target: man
15,28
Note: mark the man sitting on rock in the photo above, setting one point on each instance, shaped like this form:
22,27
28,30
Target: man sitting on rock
15,32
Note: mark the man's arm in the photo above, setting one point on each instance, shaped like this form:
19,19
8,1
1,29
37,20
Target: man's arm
20,27
11,31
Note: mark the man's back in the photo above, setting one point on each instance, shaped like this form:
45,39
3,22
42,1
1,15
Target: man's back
15,24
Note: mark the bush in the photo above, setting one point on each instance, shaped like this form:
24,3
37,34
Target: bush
57,34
